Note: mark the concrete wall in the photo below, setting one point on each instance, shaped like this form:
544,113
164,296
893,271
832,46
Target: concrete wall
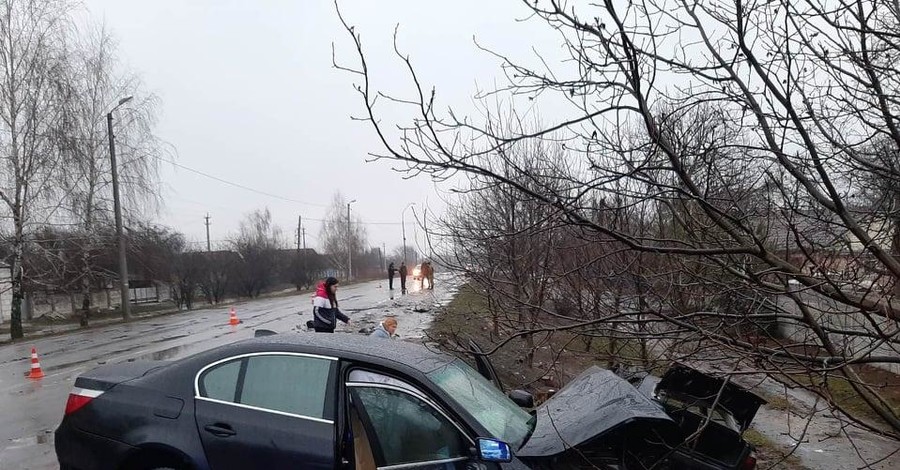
61,306
830,313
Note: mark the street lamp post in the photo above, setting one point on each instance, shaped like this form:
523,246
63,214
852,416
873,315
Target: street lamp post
349,245
403,227
117,206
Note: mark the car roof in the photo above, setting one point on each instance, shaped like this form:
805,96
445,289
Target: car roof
355,347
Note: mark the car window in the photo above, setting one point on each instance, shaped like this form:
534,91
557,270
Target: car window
406,430
294,384
291,384
495,411
364,376
220,382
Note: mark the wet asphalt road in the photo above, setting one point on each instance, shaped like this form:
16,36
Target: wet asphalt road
30,410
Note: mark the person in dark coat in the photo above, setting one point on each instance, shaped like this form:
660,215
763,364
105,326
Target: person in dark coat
430,276
403,273
325,307
391,271
423,274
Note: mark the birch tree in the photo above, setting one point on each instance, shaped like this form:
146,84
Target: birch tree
94,85
31,88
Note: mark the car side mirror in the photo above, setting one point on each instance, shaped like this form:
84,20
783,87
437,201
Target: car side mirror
492,450
522,398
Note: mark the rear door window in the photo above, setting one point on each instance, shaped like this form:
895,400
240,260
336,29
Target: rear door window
293,384
220,382
290,384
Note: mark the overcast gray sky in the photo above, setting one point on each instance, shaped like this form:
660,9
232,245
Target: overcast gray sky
249,95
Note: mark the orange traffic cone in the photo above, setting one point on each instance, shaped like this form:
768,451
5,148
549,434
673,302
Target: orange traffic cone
233,319
36,372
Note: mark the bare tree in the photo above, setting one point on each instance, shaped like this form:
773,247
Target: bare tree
341,236
412,255
256,244
31,84
93,86
741,135
302,269
216,275
159,253
507,243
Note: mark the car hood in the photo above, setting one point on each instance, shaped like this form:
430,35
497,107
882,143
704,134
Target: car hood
683,381
593,404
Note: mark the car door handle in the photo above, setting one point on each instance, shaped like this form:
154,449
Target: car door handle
219,430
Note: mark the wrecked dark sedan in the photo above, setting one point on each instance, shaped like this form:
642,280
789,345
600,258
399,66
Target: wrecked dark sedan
711,413
341,401
344,401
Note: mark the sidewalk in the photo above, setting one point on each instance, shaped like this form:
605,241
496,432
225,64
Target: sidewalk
40,329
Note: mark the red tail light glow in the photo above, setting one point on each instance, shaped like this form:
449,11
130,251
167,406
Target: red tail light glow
749,462
80,397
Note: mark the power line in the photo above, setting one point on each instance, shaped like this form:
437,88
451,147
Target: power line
236,185
247,188
240,186
363,223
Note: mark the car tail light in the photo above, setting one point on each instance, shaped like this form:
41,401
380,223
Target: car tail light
80,397
749,462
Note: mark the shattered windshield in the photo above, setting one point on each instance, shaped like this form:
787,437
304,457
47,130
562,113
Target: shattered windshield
495,411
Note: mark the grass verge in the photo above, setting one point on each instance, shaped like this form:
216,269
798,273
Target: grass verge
769,454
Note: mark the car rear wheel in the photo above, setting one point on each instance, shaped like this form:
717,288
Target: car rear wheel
155,459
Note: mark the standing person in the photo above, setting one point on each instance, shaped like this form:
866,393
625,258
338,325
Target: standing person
391,271
424,274
385,329
430,276
403,274
325,307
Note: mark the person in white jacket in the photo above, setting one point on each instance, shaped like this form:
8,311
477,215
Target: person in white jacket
385,329
325,307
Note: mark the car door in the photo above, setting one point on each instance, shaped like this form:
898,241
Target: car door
272,410
394,425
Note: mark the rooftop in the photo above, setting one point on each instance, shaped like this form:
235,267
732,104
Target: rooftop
352,346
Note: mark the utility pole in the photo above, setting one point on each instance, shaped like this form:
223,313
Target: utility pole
304,238
208,245
403,227
117,207
349,244
384,256
299,225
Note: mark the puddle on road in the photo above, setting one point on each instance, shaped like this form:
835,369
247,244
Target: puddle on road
27,389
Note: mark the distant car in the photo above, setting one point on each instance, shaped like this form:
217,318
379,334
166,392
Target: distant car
339,401
417,273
